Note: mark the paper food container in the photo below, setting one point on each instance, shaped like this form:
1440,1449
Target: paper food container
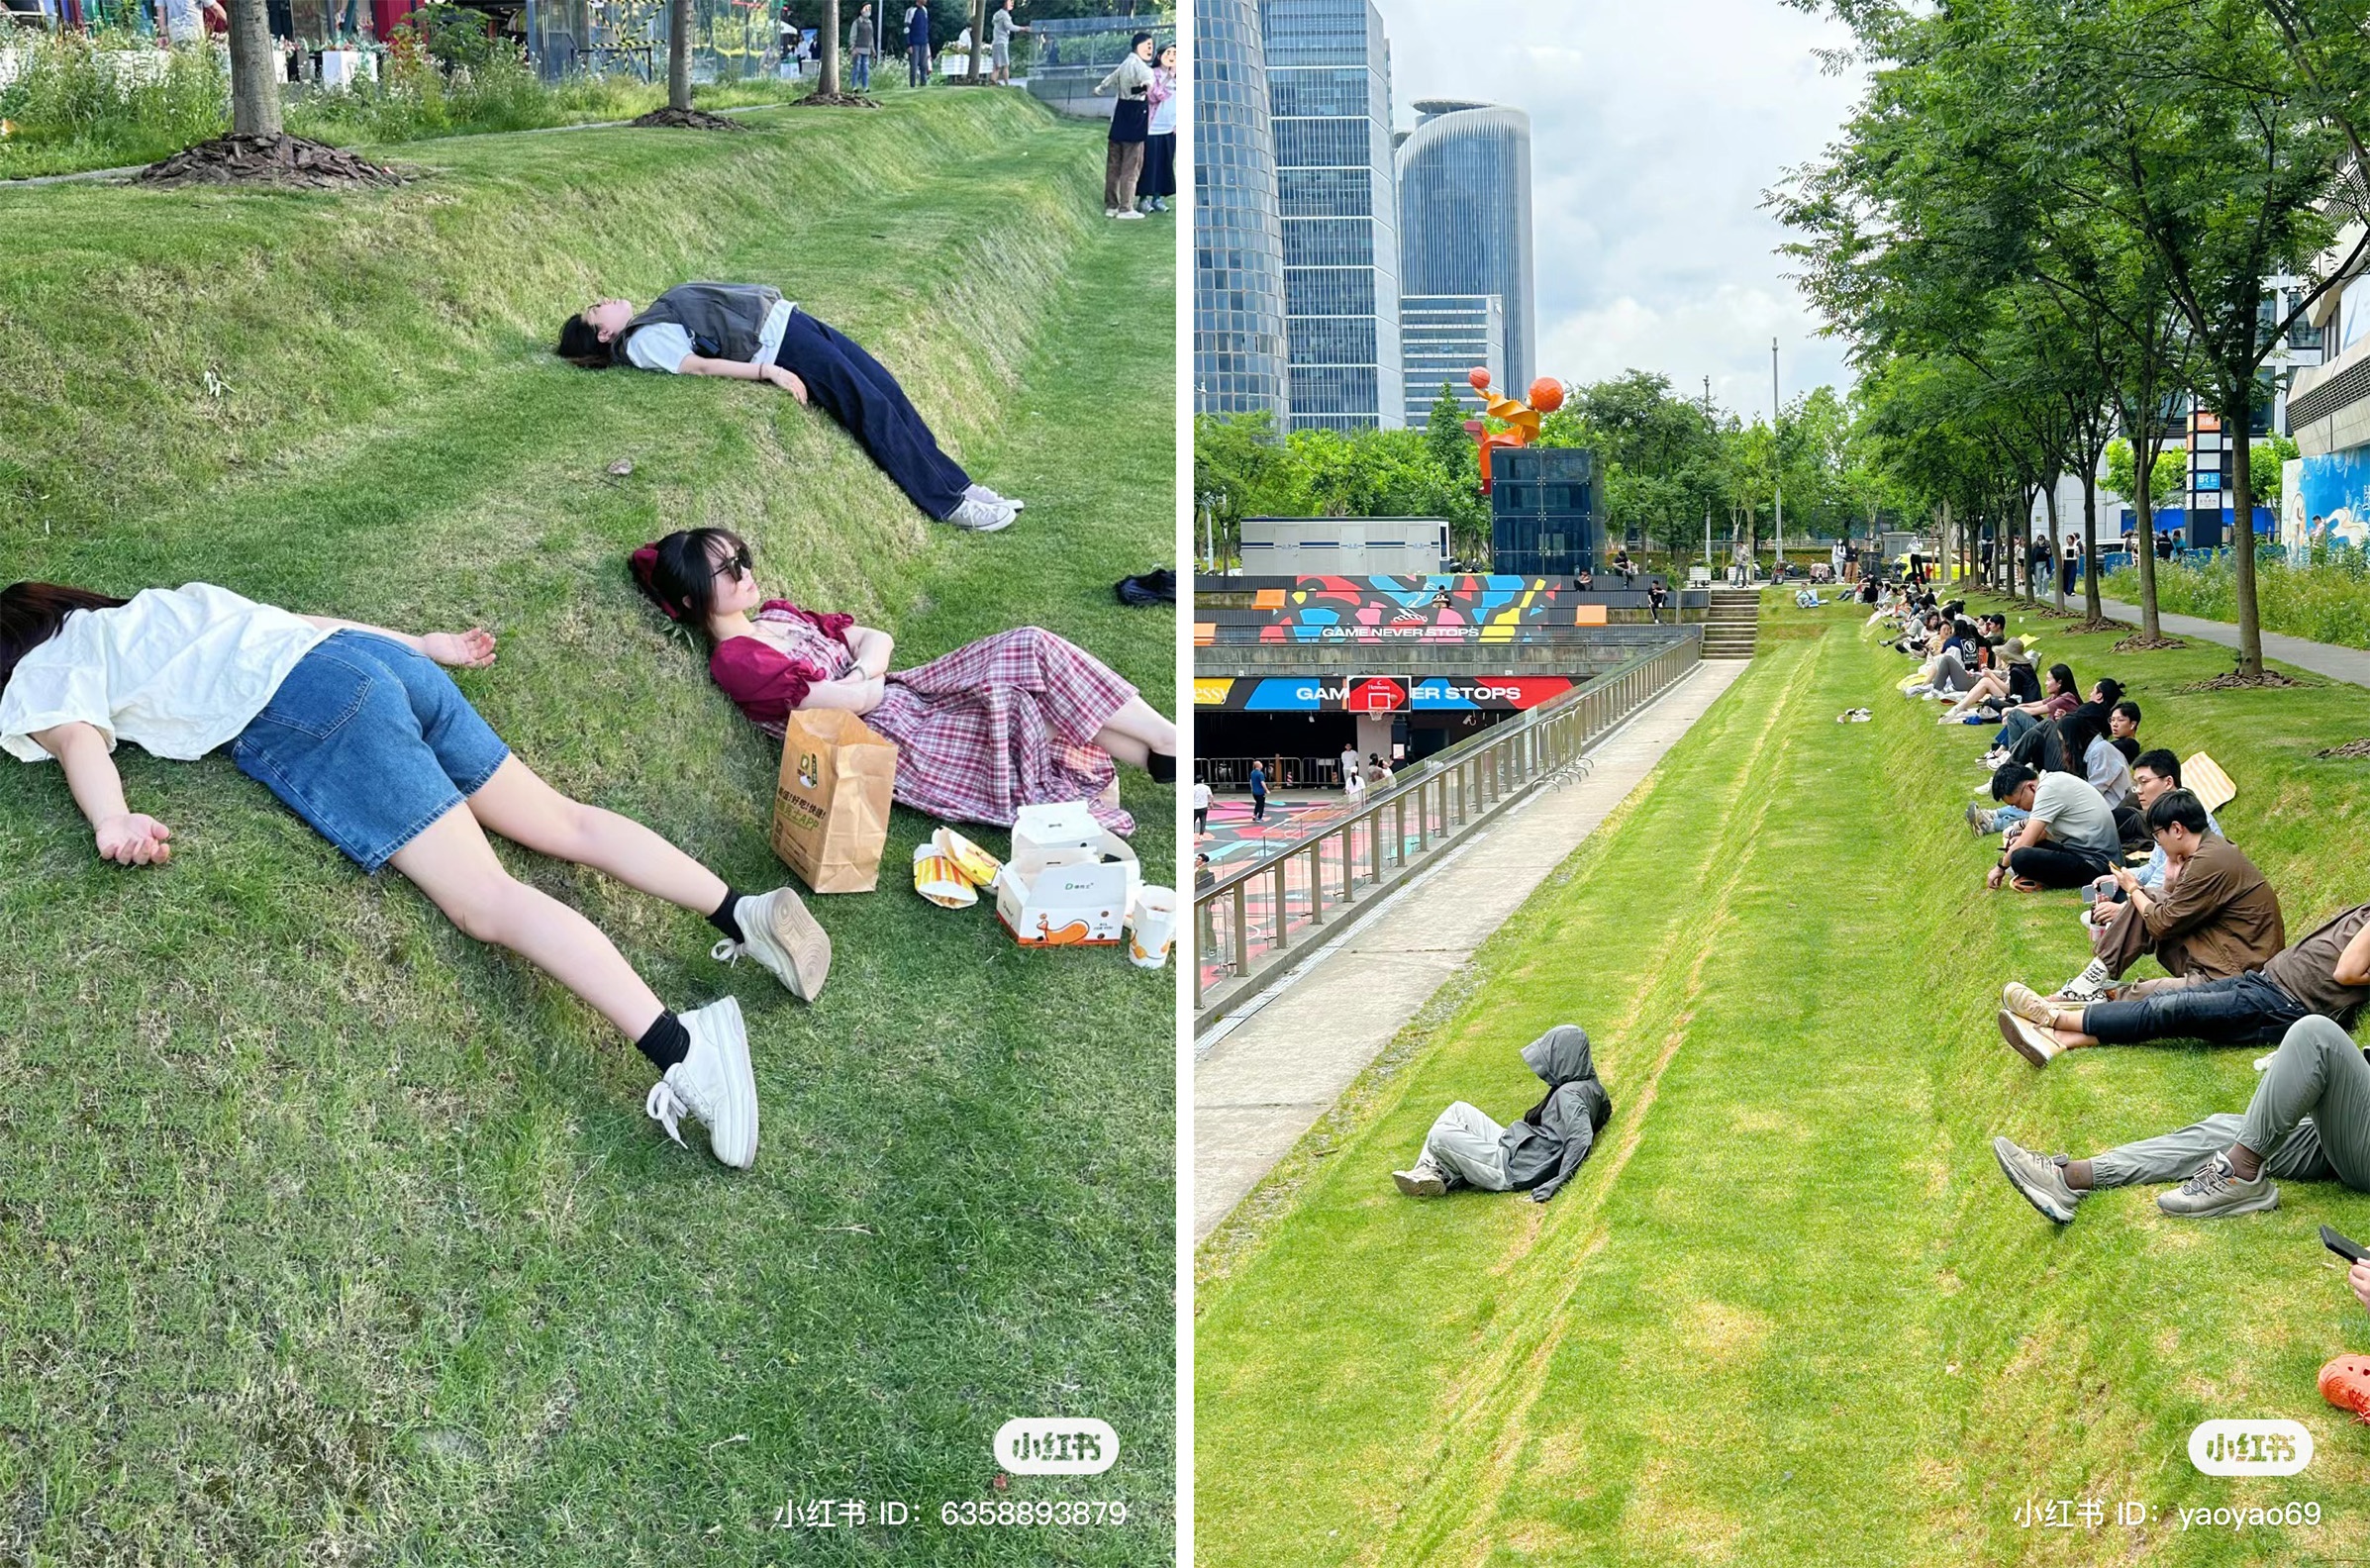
1078,904
940,880
1050,835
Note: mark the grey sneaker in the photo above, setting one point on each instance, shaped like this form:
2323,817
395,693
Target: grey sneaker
1425,1181
2216,1192
975,515
1981,821
2041,1180
982,492
713,1084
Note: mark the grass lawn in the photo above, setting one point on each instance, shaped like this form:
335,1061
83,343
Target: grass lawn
1789,1311
326,1236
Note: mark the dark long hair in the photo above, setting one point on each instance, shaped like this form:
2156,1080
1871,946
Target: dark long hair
679,571
31,614
2061,677
580,344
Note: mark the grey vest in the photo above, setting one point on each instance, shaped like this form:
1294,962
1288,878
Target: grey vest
724,320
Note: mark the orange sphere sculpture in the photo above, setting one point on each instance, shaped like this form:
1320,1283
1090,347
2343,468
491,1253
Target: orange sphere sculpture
1546,394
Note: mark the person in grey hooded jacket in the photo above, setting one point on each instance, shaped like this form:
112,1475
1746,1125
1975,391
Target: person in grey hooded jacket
1540,1151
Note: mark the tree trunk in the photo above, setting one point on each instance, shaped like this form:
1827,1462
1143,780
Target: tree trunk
827,79
2144,541
979,17
679,54
255,71
2237,417
2056,533
2089,541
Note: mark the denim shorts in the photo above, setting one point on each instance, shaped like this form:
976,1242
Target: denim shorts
369,742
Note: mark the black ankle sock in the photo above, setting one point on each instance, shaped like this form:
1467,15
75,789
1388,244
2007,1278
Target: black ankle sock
727,917
665,1042
1162,765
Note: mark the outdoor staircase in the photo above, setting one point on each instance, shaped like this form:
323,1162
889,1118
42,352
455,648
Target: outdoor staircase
1733,622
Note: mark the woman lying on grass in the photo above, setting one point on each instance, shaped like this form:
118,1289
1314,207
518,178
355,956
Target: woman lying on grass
746,331
359,732
1022,718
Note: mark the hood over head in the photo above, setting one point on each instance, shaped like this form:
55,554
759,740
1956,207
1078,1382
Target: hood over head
1560,1055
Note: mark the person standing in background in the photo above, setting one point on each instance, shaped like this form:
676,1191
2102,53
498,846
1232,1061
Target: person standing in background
1160,136
1130,120
860,45
1001,27
1201,807
917,45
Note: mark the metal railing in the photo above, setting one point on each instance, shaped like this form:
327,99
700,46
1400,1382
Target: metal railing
1249,921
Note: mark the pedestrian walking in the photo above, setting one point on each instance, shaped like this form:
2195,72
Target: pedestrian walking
1201,807
860,46
1259,789
1130,123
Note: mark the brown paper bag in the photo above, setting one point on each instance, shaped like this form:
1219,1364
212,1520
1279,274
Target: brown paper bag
830,806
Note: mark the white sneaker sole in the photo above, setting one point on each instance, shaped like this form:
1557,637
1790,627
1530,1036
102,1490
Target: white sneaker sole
803,947
2019,1034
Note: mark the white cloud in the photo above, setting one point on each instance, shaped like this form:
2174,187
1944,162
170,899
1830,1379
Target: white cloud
1655,129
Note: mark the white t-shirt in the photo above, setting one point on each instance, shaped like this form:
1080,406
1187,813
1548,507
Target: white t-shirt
2108,773
177,673
1201,797
184,22
663,346
2075,813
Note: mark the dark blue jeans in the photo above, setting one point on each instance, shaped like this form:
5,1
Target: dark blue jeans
2245,1010
851,387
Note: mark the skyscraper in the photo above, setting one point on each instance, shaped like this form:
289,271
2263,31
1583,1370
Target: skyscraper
1328,87
1443,338
1464,215
1237,241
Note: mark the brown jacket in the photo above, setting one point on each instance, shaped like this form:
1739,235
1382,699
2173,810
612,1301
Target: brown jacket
2218,917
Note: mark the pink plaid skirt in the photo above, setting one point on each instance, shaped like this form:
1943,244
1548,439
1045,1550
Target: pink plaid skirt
1006,722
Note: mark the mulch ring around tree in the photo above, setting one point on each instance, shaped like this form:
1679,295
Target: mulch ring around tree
689,120
816,100
2083,628
2239,680
2139,642
238,160
2351,748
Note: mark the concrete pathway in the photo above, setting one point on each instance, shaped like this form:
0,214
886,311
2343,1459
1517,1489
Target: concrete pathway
2322,658
1265,1082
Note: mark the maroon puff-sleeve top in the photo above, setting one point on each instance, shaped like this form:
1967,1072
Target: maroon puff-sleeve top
765,680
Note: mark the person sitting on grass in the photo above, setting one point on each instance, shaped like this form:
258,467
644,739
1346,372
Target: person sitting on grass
2007,675
2084,741
1538,1153
2308,1120
361,735
2327,974
2213,915
2067,837
1022,718
746,331
2059,697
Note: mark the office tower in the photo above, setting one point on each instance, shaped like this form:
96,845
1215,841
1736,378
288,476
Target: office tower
1237,242
1464,216
1443,338
1329,88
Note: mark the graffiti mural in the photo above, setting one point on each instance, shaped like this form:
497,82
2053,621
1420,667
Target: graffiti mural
1442,609
2335,488
1379,694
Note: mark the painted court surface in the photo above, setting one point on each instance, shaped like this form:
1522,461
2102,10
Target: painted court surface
1789,1312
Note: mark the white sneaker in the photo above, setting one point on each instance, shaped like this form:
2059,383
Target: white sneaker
1111,212
1138,217
784,940
975,515
2092,985
714,1085
980,492
1422,1180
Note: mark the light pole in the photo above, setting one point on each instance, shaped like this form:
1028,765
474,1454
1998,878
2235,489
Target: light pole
1777,463
1706,499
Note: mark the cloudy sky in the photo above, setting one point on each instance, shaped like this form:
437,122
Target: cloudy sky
1655,129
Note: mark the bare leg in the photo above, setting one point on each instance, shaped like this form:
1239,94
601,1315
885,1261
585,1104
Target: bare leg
452,865
516,804
1136,732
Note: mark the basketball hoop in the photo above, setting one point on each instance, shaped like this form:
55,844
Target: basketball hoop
1375,696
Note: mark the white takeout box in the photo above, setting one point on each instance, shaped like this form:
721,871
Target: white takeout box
1069,882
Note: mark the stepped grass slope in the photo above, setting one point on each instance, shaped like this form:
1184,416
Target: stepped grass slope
328,1235
1789,1312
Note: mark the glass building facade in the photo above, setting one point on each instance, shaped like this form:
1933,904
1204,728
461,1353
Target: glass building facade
1441,338
1464,215
1238,353
1328,89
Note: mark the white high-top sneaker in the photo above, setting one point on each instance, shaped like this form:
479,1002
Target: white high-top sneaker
713,1084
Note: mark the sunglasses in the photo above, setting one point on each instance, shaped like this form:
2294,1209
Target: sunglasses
738,562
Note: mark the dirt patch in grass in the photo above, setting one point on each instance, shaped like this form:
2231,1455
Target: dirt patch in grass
2140,643
2103,624
269,160
844,100
2239,680
2351,748
687,120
